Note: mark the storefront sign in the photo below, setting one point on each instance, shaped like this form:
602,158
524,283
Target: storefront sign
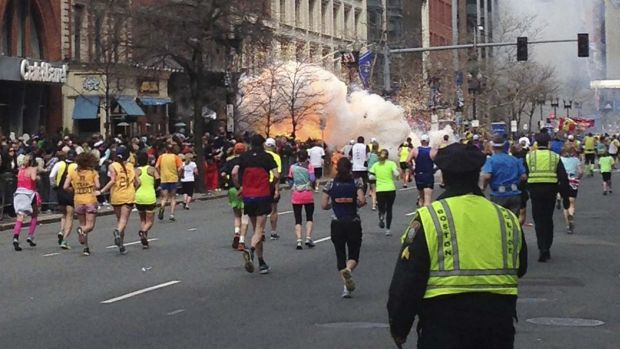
149,86
43,72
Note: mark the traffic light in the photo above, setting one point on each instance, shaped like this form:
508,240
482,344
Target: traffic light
583,45
522,48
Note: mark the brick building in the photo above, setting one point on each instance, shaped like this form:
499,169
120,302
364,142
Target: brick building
31,67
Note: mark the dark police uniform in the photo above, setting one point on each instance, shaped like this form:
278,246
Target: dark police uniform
459,278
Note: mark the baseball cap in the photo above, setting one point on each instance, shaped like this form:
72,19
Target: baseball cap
121,153
270,142
476,137
372,140
239,148
571,137
498,141
424,138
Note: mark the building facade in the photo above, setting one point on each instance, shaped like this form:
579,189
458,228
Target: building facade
31,67
317,30
106,91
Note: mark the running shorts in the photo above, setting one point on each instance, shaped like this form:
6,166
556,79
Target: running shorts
233,198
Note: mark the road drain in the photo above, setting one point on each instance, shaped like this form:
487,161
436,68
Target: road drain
354,325
565,321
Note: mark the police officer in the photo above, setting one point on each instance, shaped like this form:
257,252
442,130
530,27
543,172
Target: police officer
546,175
459,263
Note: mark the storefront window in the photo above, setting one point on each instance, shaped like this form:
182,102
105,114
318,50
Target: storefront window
21,30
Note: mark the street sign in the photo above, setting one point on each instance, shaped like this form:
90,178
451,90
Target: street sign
513,126
524,127
475,123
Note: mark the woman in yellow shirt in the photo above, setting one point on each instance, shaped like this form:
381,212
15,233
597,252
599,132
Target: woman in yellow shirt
84,181
122,186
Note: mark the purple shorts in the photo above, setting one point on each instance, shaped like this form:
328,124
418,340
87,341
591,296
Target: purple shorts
85,209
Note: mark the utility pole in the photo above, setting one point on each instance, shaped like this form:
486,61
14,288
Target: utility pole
387,79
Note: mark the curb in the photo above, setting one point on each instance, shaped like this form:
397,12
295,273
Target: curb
55,217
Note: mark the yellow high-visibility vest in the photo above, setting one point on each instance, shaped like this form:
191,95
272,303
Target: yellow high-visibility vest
473,246
542,165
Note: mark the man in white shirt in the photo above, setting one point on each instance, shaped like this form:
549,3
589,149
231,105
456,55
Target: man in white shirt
346,150
359,158
317,159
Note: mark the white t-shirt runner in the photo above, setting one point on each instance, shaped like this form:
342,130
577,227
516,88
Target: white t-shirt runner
188,172
359,157
316,155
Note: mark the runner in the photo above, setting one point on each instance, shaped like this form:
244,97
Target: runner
520,151
270,148
589,152
344,195
317,160
251,178
146,197
84,181
26,200
168,165
614,146
385,171
359,159
606,165
236,203
574,170
58,176
405,168
122,186
424,170
301,180
373,157
189,171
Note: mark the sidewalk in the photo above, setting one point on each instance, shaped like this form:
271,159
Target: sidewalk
47,218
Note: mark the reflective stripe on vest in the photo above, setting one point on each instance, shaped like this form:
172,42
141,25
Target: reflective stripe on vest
542,165
473,246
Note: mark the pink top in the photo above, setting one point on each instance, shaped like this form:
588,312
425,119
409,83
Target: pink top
24,180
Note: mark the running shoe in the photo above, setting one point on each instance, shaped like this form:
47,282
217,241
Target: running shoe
241,247
81,235
309,243
346,293
235,243
86,252
16,245
571,228
30,241
405,185
605,193
117,237
388,232
65,245
274,236
160,214
264,269
60,236
348,279
122,250
186,206
172,219
143,240
374,208
249,261
299,245
381,223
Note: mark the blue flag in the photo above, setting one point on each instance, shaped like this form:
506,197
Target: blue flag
365,66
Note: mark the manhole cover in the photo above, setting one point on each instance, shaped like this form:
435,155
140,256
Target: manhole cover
532,300
354,325
565,321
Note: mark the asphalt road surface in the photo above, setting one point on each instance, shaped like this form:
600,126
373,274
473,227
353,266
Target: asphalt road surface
190,289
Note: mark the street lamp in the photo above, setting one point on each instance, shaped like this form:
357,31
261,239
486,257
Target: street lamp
555,103
541,101
567,105
474,86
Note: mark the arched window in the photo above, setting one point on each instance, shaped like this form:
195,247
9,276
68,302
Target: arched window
21,30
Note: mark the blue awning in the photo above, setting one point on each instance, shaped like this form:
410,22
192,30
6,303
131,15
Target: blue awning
86,108
129,105
154,101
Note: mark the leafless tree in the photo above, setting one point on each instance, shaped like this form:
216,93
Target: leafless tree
193,32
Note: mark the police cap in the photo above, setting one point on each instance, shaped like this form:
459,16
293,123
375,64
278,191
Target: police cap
460,158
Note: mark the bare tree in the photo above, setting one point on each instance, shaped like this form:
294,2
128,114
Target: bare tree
192,32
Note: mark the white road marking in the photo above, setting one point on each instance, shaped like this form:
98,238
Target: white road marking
139,292
323,240
132,243
51,254
410,214
192,229
285,212
178,311
406,189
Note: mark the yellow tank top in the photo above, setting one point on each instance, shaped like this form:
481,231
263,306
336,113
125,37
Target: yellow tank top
83,183
123,191
61,171
588,145
145,195
404,152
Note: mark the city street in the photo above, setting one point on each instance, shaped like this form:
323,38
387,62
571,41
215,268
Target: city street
190,289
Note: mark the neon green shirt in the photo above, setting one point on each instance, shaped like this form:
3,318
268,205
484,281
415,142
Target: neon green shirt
385,172
404,152
606,163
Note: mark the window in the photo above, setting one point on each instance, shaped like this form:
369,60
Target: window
78,16
21,30
283,12
298,14
312,17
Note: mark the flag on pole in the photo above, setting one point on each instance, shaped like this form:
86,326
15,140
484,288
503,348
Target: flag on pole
365,66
